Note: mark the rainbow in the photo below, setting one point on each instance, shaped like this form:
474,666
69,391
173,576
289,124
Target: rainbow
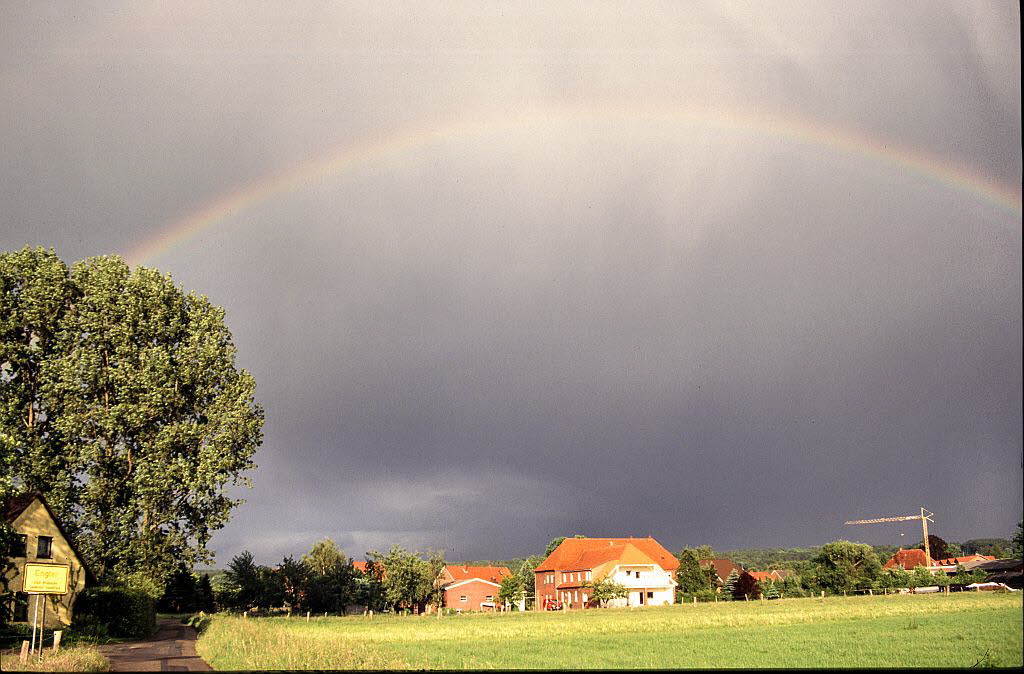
797,130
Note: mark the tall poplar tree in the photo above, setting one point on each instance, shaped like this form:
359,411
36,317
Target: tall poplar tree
121,402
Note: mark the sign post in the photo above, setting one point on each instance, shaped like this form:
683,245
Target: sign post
42,580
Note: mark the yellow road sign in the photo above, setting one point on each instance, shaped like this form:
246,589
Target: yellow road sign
46,579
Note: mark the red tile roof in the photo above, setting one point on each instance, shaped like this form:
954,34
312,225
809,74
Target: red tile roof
723,567
909,560
580,554
359,565
953,561
493,574
765,575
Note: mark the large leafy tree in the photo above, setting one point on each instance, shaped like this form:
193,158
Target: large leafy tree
511,590
841,566
324,557
121,402
407,579
35,294
330,583
938,547
243,575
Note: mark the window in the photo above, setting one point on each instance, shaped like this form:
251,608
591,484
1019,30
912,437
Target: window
588,575
44,547
637,573
575,595
584,597
489,597
650,595
463,598
19,547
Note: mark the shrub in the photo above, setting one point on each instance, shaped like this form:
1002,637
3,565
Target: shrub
115,612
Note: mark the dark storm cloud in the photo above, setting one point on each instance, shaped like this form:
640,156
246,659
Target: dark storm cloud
606,326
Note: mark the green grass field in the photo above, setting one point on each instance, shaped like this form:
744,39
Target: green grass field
959,630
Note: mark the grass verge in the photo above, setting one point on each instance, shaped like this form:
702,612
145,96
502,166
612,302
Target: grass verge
77,659
895,631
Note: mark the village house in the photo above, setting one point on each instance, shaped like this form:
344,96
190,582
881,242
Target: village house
968,562
642,565
722,569
774,576
471,588
908,560
40,539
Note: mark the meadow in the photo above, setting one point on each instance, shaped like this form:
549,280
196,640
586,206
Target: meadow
958,630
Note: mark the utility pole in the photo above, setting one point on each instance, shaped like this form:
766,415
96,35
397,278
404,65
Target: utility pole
925,517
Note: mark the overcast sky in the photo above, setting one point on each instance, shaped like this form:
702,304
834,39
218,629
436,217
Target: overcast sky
719,272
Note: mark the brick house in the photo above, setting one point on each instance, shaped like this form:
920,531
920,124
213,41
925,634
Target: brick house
471,588
641,564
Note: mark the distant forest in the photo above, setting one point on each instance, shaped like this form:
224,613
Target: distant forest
757,559
797,558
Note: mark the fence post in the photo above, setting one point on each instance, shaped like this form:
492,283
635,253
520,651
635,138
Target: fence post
24,652
307,616
56,640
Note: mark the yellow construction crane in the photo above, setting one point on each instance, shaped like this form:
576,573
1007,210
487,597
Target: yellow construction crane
925,517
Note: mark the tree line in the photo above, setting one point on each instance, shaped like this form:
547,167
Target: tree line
838,567
324,580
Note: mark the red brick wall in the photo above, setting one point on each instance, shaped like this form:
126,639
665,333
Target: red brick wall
545,589
475,592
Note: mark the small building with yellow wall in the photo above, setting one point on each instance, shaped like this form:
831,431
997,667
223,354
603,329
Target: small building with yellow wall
40,540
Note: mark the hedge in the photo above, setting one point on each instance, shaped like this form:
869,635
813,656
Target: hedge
115,612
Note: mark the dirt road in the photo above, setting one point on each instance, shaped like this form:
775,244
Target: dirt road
171,649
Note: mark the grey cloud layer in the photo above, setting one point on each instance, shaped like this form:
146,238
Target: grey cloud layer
606,326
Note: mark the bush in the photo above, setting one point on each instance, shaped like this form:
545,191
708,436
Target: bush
701,595
115,612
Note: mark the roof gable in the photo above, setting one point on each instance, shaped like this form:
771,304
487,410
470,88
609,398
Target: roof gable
16,507
586,553
492,574
722,567
908,559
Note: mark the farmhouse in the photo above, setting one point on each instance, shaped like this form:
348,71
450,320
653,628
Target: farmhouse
40,540
909,560
774,576
642,565
471,588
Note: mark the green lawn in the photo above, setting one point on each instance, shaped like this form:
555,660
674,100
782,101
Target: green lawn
959,630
